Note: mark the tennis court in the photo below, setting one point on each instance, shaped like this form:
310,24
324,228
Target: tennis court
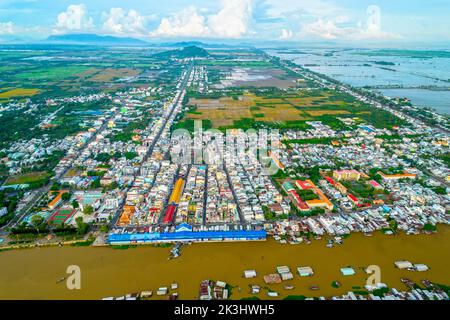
62,215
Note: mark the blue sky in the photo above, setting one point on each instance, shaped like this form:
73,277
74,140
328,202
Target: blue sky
290,20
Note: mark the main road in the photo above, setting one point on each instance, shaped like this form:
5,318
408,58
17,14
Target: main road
174,104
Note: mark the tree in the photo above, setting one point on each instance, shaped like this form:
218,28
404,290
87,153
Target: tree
75,204
54,187
88,209
37,220
66,196
82,227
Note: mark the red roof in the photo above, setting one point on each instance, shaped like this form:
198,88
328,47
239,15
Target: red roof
168,217
352,197
330,180
374,184
303,184
298,200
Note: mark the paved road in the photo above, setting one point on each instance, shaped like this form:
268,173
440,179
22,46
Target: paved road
152,146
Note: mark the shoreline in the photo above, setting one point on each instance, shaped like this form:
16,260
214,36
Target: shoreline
107,272
91,243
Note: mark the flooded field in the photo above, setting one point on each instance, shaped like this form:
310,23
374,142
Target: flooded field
34,273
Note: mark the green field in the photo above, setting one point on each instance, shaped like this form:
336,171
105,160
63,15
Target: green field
52,74
27,178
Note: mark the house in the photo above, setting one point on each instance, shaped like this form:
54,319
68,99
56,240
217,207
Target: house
341,188
347,271
353,199
421,267
3,211
403,264
249,274
375,184
305,271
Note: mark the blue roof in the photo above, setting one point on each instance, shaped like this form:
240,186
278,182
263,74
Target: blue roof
186,236
368,129
183,227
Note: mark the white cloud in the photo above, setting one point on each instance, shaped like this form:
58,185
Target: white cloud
337,28
231,21
315,8
75,18
188,22
120,21
7,28
372,30
324,29
286,34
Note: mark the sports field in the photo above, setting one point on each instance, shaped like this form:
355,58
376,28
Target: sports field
62,215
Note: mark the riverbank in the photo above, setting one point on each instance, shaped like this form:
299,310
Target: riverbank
109,272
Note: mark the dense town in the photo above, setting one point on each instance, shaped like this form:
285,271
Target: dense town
120,181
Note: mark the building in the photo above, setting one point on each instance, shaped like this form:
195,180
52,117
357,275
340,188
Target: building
3,211
403,264
398,176
305,271
299,203
346,175
341,188
347,271
276,161
375,184
322,202
57,200
353,199
249,274
287,186
127,214
184,232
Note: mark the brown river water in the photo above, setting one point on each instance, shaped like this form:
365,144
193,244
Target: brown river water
34,273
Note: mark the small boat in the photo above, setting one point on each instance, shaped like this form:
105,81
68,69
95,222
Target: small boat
173,296
61,280
407,282
288,287
427,283
404,280
314,287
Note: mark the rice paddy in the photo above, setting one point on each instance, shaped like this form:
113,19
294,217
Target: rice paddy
18,93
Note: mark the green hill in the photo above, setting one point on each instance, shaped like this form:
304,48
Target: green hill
186,52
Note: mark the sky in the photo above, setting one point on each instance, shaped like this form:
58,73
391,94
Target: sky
353,21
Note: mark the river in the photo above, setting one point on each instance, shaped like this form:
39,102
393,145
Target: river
33,273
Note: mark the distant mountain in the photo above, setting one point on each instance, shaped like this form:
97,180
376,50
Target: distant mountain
94,39
186,52
183,44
